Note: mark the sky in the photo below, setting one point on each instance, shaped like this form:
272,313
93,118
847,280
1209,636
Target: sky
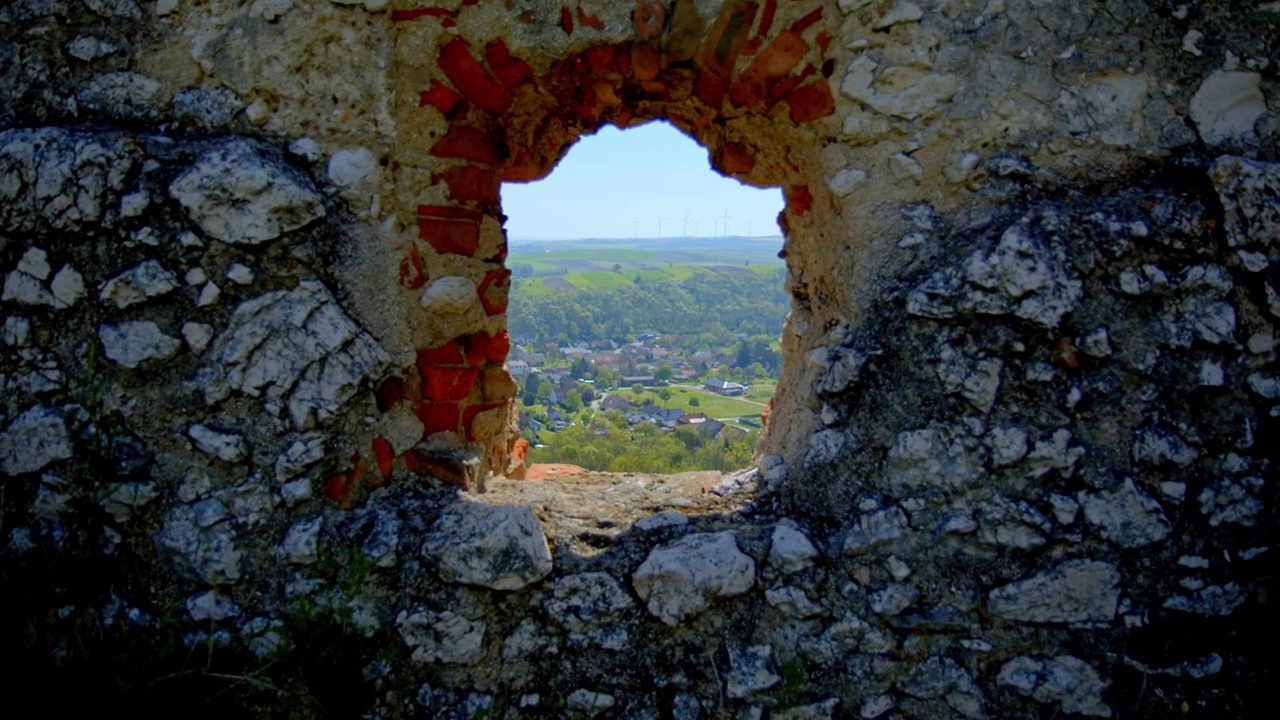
610,181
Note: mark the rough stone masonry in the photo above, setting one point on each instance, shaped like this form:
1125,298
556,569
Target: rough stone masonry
1020,463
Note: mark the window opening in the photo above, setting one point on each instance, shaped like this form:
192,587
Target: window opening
646,306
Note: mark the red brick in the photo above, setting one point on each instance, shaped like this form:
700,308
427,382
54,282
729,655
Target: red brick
499,347
766,18
624,59
467,143
602,59
493,291
459,237
411,274
811,102
475,348
472,79
383,454
446,470
447,384
338,487
389,393
469,416
734,159
470,184
591,21
566,20
777,60
648,19
446,354
807,21
645,63
438,417
444,99
721,50
799,199
510,70
824,41
450,213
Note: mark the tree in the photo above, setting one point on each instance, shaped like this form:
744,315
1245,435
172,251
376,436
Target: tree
665,394
693,402
663,371
637,390
573,400
617,267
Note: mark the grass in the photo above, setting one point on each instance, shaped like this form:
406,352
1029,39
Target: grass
714,406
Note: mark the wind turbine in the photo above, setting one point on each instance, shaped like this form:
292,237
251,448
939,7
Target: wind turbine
695,228
636,231
725,217
686,224
660,219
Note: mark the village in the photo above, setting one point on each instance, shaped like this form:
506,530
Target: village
653,380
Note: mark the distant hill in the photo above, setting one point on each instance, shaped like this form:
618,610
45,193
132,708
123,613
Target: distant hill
596,289
578,261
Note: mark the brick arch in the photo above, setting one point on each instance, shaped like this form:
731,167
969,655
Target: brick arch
741,86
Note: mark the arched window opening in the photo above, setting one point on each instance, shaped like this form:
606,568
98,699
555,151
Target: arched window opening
646,305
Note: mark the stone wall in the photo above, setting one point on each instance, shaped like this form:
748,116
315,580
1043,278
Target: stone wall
254,341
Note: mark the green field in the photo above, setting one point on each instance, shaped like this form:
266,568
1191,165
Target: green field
714,406
609,264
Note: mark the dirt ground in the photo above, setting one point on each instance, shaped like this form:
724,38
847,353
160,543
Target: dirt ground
587,510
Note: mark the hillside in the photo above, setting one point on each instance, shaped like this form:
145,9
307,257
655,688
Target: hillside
599,289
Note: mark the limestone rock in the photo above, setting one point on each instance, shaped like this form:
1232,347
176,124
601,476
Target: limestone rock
445,637
1250,195
236,195
228,447
211,605
210,555
134,342
301,542
34,440
123,96
931,458
1220,600
58,180
1230,501
499,547
751,669
790,550
1074,591
147,280
295,349
680,579
1064,680
207,108
1227,104
944,678
1026,275
875,528
591,606
67,287
1126,515
591,702
893,598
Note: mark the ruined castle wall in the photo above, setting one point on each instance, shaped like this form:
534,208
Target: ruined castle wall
1018,464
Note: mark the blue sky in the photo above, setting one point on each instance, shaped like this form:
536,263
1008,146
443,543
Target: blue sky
609,181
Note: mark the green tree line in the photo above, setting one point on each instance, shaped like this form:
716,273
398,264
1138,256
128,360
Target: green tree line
751,303
644,448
